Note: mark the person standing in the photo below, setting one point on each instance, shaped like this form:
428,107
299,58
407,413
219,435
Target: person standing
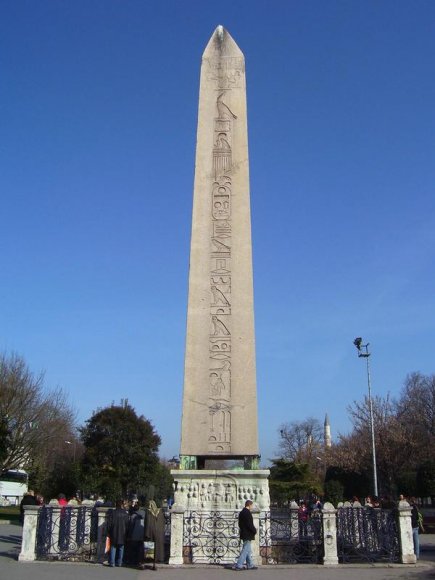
28,499
117,531
247,534
62,501
155,530
415,523
135,537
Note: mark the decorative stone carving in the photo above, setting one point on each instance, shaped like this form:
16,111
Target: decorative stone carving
220,489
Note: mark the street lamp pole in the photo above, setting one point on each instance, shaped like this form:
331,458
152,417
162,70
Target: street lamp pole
73,443
363,352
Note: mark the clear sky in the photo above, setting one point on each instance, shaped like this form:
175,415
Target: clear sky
98,111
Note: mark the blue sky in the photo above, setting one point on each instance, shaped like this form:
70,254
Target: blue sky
98,124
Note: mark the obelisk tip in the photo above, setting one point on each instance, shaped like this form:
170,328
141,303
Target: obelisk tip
221,43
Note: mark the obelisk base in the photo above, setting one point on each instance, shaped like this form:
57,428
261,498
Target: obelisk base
204,517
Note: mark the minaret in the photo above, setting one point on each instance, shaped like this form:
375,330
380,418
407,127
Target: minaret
219,399
327,432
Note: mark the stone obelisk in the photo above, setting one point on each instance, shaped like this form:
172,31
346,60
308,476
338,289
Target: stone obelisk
219,400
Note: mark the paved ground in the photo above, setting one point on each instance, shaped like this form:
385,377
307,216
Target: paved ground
11,569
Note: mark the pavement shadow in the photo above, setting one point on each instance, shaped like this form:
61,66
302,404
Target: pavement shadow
10,546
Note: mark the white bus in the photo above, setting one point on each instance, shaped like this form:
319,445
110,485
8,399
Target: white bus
13,485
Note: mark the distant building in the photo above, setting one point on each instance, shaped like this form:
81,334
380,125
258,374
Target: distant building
327,432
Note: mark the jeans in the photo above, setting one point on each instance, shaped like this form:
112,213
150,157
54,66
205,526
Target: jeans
245,554
116,551
416,539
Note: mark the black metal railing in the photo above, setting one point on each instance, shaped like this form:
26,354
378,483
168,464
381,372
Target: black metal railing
288,538
67,533
211,538
366,534
363,534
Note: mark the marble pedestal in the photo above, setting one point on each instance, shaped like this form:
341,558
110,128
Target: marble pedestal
204,527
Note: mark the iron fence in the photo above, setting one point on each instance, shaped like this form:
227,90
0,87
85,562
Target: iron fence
67,533
211,538
367,534
286,538
363,534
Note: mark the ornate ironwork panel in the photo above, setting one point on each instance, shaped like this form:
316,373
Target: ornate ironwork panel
211,537
67,533
286,538
367,534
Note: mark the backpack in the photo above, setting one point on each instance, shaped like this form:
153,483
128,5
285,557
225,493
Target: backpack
420,521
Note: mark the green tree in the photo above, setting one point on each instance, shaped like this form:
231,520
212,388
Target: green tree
163,481
352,483
334,491
120,454
292,481
426,479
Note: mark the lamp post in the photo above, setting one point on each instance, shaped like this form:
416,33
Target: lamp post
363,352
73,443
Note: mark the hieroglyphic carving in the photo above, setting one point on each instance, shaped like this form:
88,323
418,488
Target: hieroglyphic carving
220,381
219,440
227,72
222,151
219,297
224,112
219,328
220,427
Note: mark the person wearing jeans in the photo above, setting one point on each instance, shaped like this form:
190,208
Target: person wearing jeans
415,527
247,534
117,531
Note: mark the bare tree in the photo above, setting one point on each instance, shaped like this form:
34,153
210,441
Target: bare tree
36,420
416,407
301,441
396,444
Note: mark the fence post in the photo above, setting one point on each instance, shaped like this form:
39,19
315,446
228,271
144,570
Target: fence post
177,517
329,535
407,555
28,543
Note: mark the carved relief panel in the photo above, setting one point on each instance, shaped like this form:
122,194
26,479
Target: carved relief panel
219,439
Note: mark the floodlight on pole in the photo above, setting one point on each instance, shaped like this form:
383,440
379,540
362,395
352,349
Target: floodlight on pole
73,443
363,352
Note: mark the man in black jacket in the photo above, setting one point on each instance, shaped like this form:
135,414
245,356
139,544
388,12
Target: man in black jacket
117,532
28,499
247,534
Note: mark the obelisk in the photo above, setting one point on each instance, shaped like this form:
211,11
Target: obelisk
219,399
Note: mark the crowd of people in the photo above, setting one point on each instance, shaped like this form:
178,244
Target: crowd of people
128,526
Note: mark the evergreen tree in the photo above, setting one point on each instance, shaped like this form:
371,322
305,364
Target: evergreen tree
120,455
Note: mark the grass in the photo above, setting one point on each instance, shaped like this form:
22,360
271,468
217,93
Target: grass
11,513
